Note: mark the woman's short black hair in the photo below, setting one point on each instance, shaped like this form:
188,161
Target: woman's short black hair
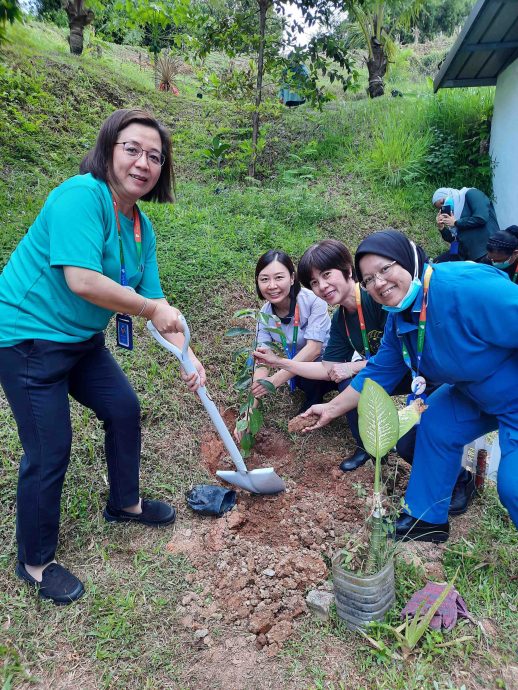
504,240
98,160
324,256
283,258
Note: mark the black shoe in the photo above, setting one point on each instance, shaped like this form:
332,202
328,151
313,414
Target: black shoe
408,528
57,583
359,458
463,493
153,513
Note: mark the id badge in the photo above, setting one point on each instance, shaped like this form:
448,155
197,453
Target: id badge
124,326
410,399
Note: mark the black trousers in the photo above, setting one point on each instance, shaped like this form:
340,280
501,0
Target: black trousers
37,377
314,390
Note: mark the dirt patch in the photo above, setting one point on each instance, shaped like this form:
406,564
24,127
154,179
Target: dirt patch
255,565
300,423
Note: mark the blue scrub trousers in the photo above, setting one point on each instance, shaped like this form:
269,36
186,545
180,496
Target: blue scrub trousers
37,377
451,421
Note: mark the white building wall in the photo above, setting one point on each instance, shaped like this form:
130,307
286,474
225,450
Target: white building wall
504,146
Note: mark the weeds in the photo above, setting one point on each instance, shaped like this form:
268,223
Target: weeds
216,152
125,632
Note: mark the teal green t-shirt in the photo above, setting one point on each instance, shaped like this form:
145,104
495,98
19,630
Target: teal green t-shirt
76,227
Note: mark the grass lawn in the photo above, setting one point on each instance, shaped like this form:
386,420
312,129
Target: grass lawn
150,592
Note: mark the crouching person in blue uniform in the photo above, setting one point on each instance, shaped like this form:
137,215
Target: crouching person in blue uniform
89,253
457,307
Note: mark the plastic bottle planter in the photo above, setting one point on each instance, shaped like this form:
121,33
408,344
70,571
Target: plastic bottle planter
481,471
362,598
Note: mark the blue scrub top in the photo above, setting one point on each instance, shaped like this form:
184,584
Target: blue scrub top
471,331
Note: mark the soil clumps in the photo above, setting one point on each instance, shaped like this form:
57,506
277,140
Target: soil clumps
255,564
300,423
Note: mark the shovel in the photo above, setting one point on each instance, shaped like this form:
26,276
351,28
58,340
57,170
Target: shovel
260,481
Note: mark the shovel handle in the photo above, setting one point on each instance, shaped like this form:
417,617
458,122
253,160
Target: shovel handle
183,356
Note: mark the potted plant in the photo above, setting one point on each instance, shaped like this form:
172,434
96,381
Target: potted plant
363,575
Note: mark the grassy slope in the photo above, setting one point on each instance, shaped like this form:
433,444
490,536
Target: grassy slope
122,635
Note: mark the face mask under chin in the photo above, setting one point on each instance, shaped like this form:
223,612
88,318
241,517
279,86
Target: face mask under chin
501,264
408,299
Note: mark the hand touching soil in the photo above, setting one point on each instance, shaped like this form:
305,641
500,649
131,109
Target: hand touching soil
300,423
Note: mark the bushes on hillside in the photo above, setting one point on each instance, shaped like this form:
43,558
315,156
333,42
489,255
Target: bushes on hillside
439,139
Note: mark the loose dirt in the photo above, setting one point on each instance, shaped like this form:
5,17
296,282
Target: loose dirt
299,423
255,564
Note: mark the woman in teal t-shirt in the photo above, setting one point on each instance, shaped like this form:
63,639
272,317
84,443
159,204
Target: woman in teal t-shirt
90,253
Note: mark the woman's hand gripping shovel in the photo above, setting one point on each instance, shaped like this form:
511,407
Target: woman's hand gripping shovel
260,481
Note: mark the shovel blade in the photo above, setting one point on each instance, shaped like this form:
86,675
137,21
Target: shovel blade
260,481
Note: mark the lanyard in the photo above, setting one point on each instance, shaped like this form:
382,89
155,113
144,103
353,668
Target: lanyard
290,352
137,236
361,319
515,276
296,324
421,328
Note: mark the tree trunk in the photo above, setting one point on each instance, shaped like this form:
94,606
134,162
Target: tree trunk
377,66
78,17
263,7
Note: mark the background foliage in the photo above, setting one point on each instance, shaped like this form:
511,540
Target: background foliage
342,173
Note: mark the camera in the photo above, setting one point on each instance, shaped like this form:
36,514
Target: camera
447,210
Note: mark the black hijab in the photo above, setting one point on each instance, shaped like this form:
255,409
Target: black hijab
395,246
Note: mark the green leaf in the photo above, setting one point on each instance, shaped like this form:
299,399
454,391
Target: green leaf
277,331
378,419
280,333
275,346
265,318
242,425
408,417
268,385
238,331
247,441
419,624
256,421
243,384
241,351
241,313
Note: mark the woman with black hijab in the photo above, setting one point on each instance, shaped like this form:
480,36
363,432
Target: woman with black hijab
502,251
434,330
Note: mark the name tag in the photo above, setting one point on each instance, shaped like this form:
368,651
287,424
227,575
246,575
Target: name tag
124,327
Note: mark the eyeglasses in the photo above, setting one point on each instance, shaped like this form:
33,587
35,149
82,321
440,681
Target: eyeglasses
369,282
134,150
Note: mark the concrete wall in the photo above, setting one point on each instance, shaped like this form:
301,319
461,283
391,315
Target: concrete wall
504,146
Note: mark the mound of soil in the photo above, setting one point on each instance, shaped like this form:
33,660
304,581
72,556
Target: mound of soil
255,564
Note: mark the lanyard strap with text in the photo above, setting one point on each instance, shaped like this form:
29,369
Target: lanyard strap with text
296,324
361,319
137,236
421,328
290,352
